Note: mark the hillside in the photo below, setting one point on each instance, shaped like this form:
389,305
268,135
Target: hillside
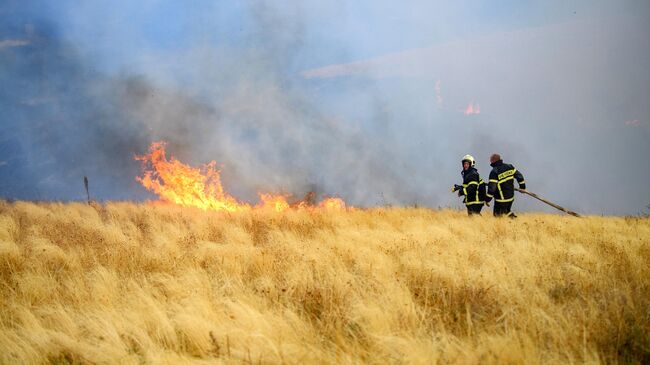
126,283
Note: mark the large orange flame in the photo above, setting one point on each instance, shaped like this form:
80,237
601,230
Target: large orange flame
178,183
184,185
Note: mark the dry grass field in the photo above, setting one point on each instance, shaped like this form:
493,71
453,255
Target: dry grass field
130,284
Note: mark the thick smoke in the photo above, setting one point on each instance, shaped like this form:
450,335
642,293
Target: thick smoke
566,103
554,101
241,108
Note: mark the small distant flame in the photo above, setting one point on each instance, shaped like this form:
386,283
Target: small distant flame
439,100
200,187
472,109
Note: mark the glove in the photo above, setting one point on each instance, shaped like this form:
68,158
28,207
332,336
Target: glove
456,188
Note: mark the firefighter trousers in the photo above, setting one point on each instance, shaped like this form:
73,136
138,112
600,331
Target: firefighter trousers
503,209
474,209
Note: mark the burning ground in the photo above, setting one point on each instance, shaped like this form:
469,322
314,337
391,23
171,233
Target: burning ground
178,183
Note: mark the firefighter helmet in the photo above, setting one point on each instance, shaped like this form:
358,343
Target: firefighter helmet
469,159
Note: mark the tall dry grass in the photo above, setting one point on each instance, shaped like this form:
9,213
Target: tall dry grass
128,284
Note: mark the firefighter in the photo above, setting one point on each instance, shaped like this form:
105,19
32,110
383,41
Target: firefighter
501,186
473,187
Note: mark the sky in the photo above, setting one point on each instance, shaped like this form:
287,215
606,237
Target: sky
373,101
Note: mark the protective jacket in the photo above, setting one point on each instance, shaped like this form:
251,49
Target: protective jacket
473,187
501,186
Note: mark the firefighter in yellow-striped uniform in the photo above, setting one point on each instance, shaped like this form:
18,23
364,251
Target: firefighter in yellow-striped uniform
501,186
473,187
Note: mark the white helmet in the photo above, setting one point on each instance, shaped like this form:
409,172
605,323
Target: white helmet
470,159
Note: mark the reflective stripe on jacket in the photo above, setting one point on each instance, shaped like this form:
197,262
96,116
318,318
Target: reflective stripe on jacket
501,186
472,185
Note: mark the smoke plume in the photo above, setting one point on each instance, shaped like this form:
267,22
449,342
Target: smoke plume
268,97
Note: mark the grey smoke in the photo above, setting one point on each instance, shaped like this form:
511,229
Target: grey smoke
554,101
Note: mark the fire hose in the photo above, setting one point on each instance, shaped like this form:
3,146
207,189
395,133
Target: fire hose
548,202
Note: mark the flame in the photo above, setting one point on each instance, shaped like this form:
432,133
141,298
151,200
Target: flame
472,109
276,202
184,185
200,187
439,100
333,204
